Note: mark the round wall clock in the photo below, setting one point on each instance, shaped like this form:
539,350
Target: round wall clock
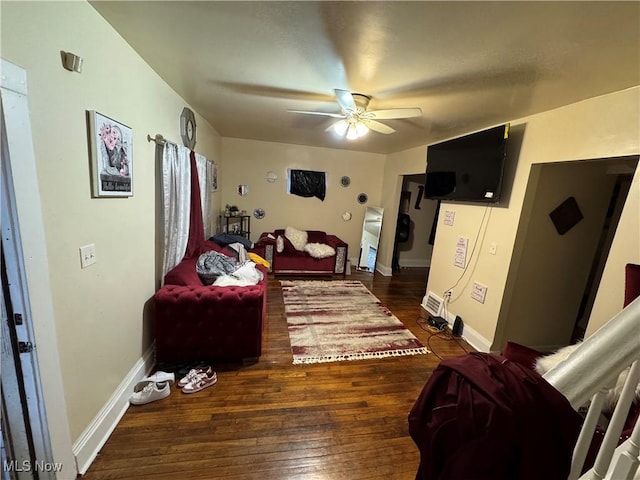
188,128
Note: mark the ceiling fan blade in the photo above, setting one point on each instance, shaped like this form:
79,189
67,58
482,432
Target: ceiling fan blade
345,99
324,114
395,113
378,127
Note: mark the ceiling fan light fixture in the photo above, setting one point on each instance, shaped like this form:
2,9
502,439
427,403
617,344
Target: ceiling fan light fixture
352,132
361,129
340,127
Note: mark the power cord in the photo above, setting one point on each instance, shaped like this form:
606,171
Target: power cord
487,209
444,333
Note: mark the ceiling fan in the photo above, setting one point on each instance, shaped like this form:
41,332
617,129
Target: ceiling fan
355,121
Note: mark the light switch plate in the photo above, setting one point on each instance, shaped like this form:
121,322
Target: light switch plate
87,255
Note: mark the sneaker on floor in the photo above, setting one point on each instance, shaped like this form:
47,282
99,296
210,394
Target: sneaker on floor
151,392
193,374
201,382
161,376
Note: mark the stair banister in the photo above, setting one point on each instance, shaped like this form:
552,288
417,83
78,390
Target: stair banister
600,358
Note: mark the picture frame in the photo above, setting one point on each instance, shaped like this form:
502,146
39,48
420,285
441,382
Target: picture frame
111,146
214,177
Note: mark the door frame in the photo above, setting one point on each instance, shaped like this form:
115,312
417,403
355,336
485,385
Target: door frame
23,231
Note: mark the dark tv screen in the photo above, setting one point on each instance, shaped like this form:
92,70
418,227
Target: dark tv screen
468,168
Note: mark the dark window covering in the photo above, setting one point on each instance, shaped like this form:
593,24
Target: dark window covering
307,183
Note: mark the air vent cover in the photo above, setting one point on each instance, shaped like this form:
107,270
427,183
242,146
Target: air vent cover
432,304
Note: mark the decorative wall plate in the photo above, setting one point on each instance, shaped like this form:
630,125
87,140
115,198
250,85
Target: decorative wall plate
362,198
345,181
188,128
346,216
259,213
271,176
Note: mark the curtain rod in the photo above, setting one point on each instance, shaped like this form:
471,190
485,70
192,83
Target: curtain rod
158,139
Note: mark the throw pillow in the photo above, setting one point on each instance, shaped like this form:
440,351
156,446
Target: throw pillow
319,250
279,244
298,238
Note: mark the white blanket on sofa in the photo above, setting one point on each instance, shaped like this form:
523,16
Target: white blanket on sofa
247,274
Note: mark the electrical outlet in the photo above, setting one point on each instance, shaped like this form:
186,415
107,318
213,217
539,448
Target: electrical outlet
87,255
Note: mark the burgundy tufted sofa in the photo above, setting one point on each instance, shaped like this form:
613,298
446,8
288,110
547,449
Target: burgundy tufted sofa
196,322
293,262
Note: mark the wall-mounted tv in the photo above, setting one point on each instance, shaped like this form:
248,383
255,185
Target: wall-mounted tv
468,168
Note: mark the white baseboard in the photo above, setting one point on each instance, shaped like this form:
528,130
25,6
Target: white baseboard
96,434
472,337
476,340
384,270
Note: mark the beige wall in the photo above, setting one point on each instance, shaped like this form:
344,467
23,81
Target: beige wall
602,127
100,317
247,162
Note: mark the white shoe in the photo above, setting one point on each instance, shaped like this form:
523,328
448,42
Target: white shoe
193,374
157,377
161,376
151,392
201,382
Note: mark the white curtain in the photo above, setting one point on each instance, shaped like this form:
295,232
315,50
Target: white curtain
176,199
205,179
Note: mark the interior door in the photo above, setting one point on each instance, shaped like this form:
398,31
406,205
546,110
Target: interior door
17,440
25,436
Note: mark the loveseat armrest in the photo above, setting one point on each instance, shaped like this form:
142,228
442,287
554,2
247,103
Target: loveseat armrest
341,249
265,247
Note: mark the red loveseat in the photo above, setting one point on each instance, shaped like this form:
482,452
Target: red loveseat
197,323
295,262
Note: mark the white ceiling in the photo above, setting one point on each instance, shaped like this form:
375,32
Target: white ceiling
468,65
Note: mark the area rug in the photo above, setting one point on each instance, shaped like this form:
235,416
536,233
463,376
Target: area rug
332,321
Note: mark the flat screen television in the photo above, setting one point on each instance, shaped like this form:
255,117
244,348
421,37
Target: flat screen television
468,168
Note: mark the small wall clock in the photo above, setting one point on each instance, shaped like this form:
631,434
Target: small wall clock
188,128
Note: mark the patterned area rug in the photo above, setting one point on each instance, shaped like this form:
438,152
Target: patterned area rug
331,321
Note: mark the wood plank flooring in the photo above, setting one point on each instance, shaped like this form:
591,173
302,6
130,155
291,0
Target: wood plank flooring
274,420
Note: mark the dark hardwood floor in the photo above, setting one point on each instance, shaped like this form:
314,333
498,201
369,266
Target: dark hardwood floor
273,420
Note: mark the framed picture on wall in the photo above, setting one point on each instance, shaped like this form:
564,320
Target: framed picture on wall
111,145
214,177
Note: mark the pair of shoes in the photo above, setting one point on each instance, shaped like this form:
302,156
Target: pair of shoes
201,382
193,374
150,392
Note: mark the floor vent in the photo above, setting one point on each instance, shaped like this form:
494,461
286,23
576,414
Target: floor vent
433,304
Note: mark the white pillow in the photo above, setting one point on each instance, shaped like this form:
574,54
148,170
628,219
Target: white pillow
279,244
298,238
319,250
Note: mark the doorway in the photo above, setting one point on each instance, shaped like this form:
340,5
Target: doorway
26,283
556,272
416,250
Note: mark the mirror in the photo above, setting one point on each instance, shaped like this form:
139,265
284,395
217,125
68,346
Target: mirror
370,237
